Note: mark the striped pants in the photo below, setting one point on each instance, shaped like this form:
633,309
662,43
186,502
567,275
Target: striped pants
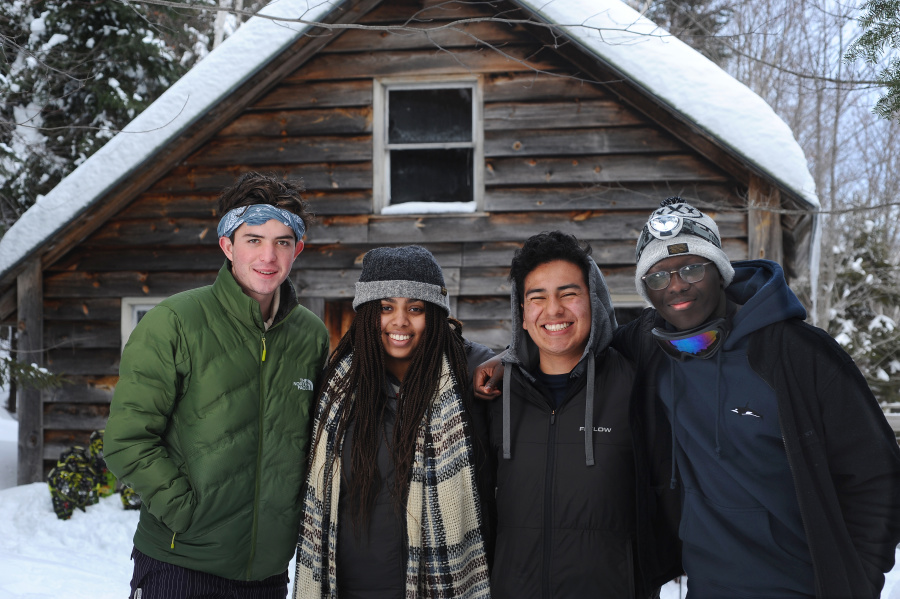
154,579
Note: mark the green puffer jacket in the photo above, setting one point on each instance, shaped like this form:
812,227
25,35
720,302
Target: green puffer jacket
210,424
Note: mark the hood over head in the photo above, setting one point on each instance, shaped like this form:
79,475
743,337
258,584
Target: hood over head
760,289
524,352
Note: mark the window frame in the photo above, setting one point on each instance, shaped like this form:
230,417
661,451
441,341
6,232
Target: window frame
381,149
129,307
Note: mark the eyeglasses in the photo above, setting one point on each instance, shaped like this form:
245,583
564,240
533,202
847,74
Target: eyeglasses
692,273
692,344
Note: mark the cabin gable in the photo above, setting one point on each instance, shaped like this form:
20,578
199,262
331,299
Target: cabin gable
553,151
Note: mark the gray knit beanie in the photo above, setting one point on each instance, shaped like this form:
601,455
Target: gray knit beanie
674,229
410,271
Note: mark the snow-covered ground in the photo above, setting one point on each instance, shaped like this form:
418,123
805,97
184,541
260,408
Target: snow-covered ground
88,557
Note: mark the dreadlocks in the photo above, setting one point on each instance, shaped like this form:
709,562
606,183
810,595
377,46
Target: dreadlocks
367,379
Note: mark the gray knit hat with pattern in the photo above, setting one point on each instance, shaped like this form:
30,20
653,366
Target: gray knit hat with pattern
696,234
410,271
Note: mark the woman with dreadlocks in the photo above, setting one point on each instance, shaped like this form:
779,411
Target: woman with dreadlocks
392,506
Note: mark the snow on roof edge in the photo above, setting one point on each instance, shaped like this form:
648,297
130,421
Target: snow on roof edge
688,82
238,58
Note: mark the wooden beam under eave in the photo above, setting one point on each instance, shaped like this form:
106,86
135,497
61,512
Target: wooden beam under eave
7,304
30,350
764,238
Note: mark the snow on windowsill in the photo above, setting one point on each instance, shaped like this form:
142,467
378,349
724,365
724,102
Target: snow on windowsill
429,208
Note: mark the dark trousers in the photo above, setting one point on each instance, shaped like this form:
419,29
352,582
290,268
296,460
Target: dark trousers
154,579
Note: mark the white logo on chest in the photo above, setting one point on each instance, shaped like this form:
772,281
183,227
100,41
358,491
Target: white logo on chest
597,429
304,385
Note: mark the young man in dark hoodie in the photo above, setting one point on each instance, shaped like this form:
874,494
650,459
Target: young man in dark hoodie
565,474
789,470
789,475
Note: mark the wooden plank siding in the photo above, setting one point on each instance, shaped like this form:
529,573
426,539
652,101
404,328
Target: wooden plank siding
560,153
31,349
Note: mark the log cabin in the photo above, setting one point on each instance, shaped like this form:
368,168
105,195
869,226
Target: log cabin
461,126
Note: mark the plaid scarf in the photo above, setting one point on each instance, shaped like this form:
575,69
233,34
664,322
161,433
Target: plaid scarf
446,556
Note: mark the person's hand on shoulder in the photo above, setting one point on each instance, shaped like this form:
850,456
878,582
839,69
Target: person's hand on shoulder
488,380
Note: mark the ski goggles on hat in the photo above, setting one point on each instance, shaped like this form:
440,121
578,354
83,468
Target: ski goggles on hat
691,273
701,342
667,226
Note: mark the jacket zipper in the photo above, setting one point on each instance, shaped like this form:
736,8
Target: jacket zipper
548,507
255,529
792,467
259,448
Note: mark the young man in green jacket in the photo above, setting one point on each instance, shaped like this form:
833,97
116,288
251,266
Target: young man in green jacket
211,414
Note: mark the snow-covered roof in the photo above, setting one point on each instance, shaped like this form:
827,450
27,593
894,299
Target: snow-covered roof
689,82
666,67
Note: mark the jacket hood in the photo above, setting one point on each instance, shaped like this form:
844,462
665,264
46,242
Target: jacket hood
524,352
760,289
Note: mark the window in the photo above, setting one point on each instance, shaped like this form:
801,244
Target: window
428,146
133,310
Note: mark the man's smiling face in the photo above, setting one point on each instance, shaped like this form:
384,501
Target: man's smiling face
557,314
686,305
261,256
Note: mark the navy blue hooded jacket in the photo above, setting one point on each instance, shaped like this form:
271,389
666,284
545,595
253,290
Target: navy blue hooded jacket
736,517
790,475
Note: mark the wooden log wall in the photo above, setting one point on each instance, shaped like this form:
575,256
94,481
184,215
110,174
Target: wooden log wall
560,153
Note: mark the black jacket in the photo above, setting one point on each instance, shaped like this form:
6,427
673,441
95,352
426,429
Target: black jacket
565,529
565,491
842,454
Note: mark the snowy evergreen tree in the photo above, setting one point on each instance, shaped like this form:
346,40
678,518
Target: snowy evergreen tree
881,22
864,305
73,73
26,375
19,373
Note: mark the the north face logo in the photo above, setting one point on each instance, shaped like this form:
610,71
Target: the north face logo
304,385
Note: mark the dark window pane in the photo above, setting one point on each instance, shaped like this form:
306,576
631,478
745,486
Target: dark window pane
430,115
431,175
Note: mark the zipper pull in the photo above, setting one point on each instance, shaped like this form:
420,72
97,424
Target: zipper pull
173,541
264,349
553,417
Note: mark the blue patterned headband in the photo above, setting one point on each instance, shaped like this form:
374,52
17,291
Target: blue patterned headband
259,214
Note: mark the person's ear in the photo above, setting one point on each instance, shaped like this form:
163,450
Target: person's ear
298,249
227,247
